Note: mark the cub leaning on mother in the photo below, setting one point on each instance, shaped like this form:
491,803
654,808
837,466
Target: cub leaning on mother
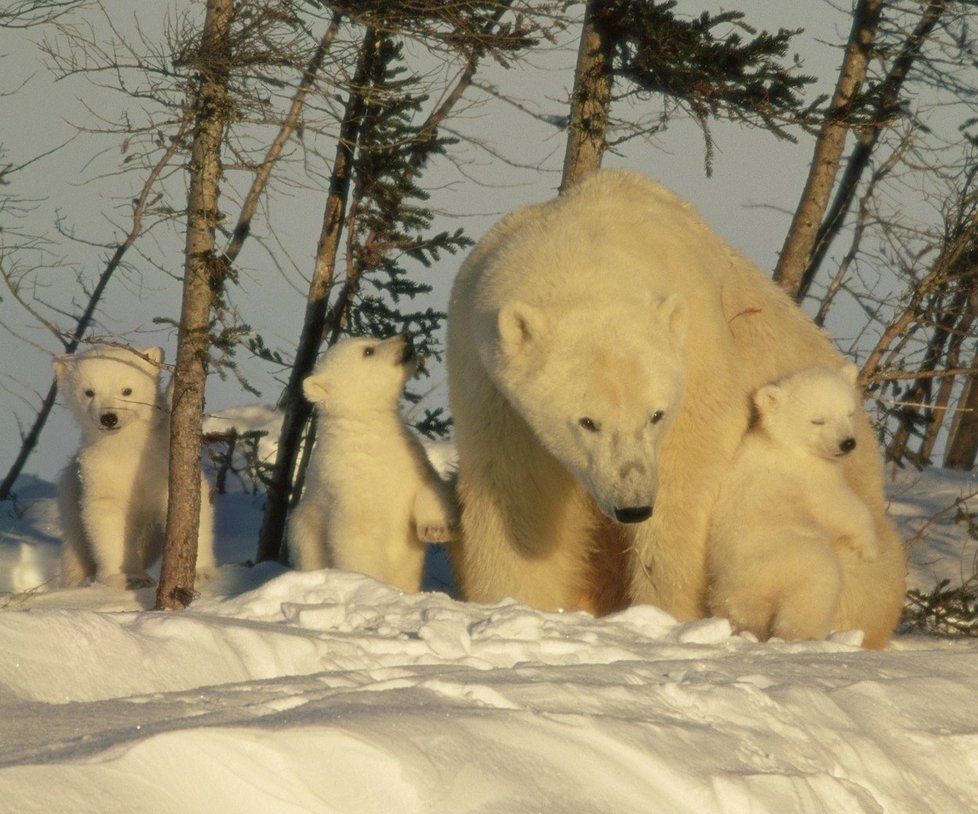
602,351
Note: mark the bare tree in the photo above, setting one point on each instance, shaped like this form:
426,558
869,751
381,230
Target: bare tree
869,113
922,341
829,145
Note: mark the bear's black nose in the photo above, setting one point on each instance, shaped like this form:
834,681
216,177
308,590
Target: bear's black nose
848,445
109,420
633,514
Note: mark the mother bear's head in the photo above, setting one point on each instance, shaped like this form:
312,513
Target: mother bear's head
599,387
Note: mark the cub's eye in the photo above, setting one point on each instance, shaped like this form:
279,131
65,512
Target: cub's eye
589,424
818,422
90,394
368,351
657,416
127,391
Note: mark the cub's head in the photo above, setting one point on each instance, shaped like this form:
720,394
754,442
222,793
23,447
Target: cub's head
812,410
110,388
599,387
359,375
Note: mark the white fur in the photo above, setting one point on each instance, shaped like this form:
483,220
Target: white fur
113,494
576,307
372,499
785,509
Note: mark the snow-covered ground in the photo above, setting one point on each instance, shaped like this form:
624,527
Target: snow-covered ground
281,692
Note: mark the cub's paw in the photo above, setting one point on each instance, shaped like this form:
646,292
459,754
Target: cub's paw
869,550
436,532
866,547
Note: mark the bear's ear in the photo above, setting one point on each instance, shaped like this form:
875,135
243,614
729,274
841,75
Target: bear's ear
154,355
850,373
61,365
315,389
768,398
520,324
674,314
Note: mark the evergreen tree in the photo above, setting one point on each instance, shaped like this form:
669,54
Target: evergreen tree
634,49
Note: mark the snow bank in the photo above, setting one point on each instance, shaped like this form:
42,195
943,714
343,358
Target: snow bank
329,692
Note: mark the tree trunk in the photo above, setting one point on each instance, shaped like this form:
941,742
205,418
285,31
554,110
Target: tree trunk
962,445
918,397
800,241
296,409
886,109
590,100
952,360
203,275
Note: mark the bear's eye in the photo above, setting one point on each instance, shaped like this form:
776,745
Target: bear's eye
368,351
657,416
127,391
818,422
589,424
90,393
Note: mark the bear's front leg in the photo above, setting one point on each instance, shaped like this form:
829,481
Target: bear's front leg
77,565
307,539
106,523
849,522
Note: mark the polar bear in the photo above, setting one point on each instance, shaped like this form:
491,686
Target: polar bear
372,499
614,302
785,509
112,496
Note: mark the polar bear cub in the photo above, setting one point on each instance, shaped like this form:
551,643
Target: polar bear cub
372,499
112,495
785,511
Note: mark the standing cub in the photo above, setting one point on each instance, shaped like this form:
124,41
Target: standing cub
113,494
785,511
372,499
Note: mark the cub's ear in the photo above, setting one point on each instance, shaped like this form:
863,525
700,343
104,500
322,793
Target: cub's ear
315,389
61,365
768,398
520,325
154,355
850,373
674,314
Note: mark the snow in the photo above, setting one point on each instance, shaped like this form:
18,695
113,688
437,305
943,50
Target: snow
280,691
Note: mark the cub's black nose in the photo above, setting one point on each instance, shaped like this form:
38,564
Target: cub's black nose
633,514
408,353
848,445
109,420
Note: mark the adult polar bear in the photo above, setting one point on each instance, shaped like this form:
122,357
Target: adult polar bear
584,392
